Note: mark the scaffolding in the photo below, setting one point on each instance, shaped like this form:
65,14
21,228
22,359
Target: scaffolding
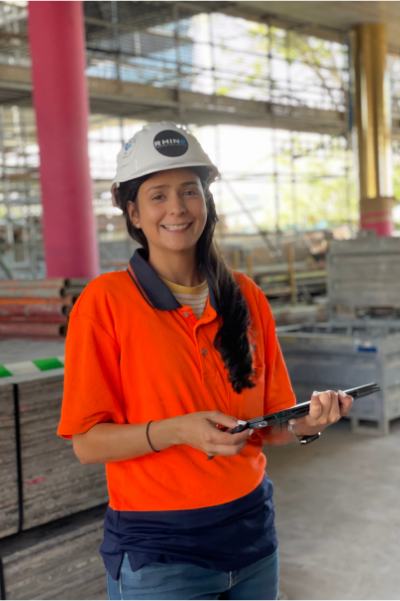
234,82
171,45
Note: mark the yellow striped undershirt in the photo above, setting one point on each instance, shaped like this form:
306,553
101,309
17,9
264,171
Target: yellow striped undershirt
194,297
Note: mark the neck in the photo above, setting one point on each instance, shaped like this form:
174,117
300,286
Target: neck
177,267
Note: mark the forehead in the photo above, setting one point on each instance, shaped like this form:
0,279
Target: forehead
173,176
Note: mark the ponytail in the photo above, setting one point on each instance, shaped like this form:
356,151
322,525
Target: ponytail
231,339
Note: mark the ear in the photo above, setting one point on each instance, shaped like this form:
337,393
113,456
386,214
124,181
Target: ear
133,213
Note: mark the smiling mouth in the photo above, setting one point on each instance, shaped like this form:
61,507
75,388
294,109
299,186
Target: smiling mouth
177,228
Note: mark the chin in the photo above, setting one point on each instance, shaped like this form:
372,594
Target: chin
177,245
180,247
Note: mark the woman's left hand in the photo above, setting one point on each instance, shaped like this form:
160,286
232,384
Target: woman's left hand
326,409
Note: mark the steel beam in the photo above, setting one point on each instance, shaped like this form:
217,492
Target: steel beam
113,97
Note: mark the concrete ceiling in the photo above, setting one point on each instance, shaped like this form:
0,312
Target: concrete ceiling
327,19
331,19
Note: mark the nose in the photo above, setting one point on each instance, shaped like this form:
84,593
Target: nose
177,204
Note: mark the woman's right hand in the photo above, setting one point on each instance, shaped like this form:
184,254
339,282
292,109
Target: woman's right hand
108,442
200,431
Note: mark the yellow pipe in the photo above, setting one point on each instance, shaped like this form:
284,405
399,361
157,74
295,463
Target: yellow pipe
373,124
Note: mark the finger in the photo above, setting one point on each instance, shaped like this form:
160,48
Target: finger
345,403
299,422
224,438
216,417
326,401
227,450
315,407
334,413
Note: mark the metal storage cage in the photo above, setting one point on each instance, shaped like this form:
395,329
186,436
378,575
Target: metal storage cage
364,273
338,356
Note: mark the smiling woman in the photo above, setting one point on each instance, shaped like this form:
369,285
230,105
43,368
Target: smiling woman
159,356
171,211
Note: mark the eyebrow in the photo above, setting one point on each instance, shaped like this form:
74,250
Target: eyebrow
168,186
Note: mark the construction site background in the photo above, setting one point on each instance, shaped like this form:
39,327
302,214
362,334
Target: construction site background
289,180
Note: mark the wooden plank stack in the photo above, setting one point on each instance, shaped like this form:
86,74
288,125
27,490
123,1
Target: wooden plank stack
55,484
8,464
37,308
50,529
56,561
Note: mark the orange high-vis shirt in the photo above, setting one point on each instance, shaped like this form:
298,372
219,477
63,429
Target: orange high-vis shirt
134,354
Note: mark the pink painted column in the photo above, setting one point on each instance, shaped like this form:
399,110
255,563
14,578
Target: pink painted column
61,102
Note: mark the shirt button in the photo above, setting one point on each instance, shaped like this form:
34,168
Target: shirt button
186,314
204,351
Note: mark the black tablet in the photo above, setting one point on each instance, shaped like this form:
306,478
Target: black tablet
299,410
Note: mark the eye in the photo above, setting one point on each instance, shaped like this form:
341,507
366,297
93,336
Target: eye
190,192
158,197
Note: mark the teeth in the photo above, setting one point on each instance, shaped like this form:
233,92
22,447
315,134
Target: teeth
172,228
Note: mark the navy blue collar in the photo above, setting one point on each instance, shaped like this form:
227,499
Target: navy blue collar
153,289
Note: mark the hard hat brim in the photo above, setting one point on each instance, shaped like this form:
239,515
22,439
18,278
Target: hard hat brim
214,173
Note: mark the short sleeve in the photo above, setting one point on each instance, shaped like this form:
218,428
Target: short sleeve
278,389
92,384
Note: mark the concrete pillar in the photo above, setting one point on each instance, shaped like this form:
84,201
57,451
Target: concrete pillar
61,102
371,103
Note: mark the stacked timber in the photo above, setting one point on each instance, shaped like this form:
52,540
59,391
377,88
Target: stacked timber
9,519
57,561
54,482
51,506
37,308
41,478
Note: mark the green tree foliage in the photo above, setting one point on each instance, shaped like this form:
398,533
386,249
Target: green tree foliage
313,187
316,185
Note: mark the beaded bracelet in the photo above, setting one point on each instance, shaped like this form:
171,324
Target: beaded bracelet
148,437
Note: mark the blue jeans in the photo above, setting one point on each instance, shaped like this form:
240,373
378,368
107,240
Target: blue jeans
186,581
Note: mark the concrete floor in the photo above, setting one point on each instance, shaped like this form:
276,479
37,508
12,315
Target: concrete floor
338,515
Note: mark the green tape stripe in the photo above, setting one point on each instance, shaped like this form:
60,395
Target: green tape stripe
45,364
31,367
4,373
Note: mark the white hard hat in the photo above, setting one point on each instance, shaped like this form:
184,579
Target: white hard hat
156,147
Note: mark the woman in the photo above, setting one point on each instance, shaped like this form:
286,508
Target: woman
156,357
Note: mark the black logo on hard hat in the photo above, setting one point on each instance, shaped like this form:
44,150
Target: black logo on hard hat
171,143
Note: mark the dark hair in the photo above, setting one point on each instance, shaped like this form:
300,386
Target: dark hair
231,339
